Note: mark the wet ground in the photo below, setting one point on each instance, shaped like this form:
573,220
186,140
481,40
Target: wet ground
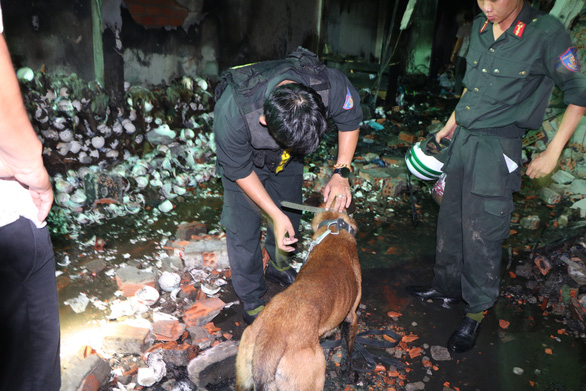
537,351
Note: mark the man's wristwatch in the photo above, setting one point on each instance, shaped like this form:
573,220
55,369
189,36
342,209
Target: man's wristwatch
344,170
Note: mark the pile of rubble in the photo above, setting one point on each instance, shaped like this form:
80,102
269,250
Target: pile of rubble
107,160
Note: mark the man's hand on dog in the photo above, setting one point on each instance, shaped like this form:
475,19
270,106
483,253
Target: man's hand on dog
284,233
337,195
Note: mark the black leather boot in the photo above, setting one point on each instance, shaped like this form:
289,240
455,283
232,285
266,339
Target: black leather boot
284,277
465,336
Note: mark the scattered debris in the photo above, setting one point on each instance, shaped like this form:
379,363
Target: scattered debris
142,162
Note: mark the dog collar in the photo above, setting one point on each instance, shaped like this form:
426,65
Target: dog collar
339,223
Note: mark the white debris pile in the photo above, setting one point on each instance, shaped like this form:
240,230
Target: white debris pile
159,141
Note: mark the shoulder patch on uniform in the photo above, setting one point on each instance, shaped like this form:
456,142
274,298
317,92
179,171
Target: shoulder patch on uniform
519,28
570,60
484,26
349,102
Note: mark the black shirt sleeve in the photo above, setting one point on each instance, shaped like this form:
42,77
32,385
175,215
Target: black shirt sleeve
344,105
233,149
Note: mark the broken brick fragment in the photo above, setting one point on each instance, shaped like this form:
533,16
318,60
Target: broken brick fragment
414,352
168,330
409,338
186,230
130,279
124,339
542,264
189,291
90,383
407,137
203,311
210,260
178,354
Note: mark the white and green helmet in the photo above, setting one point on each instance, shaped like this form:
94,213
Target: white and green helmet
422,165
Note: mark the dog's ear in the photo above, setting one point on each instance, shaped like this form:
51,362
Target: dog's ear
314,200
352,208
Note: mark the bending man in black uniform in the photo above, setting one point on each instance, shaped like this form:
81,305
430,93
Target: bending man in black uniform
516,56
267,117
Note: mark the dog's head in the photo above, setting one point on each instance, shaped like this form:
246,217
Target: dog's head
315,200
330,216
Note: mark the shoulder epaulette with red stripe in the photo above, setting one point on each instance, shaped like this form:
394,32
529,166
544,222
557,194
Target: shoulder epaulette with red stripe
519,28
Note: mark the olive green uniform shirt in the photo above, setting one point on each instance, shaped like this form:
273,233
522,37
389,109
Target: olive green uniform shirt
510,80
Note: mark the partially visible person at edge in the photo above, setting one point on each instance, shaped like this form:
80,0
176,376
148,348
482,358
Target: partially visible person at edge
458,57
516,56
29,312
267,117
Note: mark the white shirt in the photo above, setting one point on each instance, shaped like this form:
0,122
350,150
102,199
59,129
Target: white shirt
16,201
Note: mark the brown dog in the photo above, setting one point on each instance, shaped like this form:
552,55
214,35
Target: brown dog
281,349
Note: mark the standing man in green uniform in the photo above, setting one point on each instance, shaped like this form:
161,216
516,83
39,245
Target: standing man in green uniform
267,117
516,56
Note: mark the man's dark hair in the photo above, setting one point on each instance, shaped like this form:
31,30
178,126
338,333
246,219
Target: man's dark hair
296,117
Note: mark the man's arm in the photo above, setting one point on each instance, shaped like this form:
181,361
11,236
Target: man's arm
448,130
20,149
544,164
338,185
253,188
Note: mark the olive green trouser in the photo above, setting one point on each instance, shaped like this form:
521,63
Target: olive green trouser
474,217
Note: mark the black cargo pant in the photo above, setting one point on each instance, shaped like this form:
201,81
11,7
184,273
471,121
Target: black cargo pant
475,213
242,219
29,310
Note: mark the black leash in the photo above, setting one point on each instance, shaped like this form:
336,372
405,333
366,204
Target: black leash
360,349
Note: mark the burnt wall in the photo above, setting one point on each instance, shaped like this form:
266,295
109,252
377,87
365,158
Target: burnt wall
53,34
154,41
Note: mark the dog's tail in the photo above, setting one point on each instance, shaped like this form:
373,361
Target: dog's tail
244,379
257,361
268,353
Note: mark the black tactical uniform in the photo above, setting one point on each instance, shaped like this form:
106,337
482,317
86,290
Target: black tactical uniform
509,82
244,146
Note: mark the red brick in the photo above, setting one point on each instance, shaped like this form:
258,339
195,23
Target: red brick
202,311
147,21
178,355
136,10
189,291
129,289
410,138
162,21
175,21
210,260
185,231
179,13
168,330
90,383
153,11
165,11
